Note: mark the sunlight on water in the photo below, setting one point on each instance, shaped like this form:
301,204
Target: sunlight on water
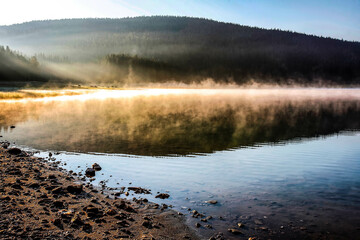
85,95
293,93
286,154
177,121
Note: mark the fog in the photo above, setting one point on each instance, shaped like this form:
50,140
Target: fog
178,121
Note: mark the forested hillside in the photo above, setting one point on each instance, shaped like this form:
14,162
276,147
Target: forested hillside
191,49
17,69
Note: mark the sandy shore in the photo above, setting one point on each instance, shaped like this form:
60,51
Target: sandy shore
40,201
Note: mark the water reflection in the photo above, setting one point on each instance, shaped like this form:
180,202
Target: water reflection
165,124
312,185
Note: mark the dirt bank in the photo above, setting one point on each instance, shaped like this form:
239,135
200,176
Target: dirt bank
40,201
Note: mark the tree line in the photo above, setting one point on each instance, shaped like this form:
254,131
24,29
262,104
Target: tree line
191,49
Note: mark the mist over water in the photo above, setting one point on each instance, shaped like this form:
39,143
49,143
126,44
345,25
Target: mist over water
285,157
177,121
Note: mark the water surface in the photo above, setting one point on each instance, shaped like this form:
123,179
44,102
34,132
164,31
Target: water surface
289,158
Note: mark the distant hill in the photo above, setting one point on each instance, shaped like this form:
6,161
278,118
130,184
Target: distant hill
196,48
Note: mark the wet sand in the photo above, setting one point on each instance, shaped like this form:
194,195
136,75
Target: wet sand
39,200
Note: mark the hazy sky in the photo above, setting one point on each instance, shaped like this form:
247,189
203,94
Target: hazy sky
334,18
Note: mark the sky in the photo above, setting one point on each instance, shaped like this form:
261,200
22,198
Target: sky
330,18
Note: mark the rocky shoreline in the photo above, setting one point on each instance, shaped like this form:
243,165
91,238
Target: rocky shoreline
39,200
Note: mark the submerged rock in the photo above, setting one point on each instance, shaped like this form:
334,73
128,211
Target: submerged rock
234,231
258,222
139,190
212,201
162,196
219,236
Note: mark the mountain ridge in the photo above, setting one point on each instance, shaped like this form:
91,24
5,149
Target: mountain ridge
201,48
167,16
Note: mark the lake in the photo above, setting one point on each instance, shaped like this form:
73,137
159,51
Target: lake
283,162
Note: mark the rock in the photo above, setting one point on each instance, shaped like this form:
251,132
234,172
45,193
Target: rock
14,151
51,176
34,185
197,225
58,204
234,231
162,196
212,201
240,225
5,145
87,228
93,212
139,190
258,222
96,167
90,172
58,190
65,213
74,189
123,223
147,224
6,198
57,222
111,212
76,220
219,236
16,186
